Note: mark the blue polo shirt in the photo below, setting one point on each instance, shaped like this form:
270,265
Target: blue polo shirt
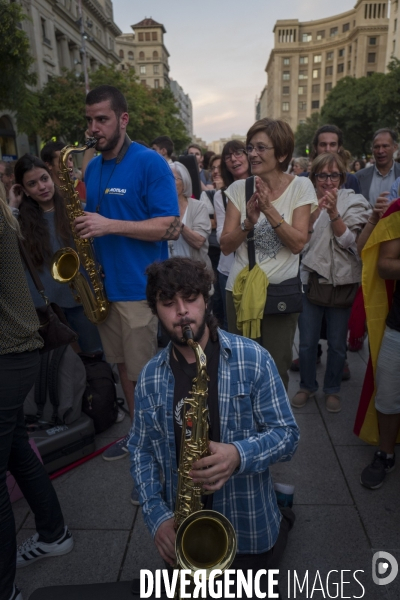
140,187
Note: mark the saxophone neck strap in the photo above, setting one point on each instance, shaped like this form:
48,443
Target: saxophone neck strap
124,149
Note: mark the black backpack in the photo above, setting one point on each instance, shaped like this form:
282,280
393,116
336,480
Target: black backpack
100,397
57,394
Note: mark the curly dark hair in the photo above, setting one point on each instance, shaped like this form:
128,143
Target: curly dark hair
33,224
180,275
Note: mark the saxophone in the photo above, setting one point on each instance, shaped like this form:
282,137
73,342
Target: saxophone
66,261
205,539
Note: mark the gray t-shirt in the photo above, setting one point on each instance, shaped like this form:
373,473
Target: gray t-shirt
56,292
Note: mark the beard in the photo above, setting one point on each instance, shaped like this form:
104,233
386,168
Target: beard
112,143
178,340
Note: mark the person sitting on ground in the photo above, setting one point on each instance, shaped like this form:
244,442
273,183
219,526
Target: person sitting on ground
19,363
246,436
330,265
164,146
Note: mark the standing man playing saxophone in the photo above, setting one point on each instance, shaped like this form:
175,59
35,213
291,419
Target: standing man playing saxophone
251,425
131,212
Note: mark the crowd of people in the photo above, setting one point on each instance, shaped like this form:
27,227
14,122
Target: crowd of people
273,243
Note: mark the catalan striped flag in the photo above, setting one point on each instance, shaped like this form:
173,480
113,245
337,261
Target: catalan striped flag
378,294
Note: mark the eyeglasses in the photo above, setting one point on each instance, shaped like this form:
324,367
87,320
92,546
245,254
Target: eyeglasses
324,176
259,148
235,154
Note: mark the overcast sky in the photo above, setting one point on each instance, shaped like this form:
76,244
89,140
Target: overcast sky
219,50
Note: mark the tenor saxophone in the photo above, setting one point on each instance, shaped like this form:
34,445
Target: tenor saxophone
66,261
205,539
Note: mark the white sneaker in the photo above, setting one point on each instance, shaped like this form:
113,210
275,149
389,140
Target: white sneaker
32,550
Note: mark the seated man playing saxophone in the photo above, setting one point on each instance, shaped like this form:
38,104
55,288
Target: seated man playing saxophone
250,422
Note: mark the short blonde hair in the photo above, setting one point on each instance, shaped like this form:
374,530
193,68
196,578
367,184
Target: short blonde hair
6,210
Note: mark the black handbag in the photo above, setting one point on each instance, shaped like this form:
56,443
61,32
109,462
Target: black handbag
283,298
54,328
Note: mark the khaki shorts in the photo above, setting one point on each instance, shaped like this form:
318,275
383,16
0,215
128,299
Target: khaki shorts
129,335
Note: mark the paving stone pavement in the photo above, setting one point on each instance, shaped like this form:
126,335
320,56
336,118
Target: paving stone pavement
339,524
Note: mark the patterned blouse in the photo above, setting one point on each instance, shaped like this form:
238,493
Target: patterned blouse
19,324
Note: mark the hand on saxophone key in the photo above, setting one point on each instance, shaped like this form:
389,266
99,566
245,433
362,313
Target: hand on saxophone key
92,225
213,471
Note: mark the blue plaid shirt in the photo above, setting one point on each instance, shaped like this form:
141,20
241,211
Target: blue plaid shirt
255,416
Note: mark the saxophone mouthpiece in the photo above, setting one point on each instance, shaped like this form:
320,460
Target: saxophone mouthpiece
187,333
91,142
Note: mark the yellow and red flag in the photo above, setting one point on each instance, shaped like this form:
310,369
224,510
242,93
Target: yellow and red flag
378,294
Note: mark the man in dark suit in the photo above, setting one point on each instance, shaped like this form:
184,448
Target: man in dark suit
377,180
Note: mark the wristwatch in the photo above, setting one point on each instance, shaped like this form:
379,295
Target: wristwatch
243,226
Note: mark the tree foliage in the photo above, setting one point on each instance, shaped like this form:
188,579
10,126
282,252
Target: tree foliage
152,112
305,133
15,63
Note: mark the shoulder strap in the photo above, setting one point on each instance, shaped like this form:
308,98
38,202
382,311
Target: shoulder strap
224,200
250,236
53,381
210,194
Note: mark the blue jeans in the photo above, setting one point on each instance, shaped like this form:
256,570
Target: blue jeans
89,337
310,329
17,376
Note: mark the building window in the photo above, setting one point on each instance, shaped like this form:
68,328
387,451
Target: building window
141,55
371,57
341,52
372,41
121,54
303,60
349,65
334,31
155,54
286,75
315,88
130,55
329,71
302,90
302,105
147,36
122,67
346,27
154,36
143,70
320,35
143,81
303,75
328,86
285,90
43,24
315,73
340,68
286,61
315,104
155,69
369,73
329,56
350,47
307,37
141,36
285,106
394,47
395,26
156,83
317,58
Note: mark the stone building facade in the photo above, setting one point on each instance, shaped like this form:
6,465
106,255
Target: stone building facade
393,43
184,104
55,38
144,50
309,58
